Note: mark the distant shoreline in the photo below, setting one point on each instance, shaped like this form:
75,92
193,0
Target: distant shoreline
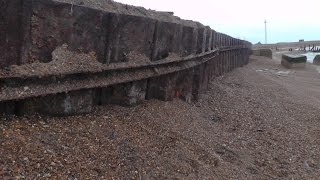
287,44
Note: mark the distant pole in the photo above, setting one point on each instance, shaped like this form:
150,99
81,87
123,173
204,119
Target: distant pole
265,31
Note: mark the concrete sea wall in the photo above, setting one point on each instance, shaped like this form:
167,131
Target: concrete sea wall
138,54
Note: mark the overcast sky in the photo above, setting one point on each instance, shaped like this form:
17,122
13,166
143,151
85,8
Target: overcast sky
288,20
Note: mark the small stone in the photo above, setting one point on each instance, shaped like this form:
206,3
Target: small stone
46,175
19,177
215,118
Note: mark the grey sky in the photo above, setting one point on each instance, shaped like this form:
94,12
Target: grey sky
288,20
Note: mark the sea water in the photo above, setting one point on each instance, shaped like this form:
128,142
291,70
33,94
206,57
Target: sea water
311,55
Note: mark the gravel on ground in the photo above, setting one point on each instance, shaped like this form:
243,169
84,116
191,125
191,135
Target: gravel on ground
260,121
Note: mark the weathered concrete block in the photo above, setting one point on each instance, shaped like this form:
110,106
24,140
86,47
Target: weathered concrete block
227,40
219,40
101,96
262,52
213,39
228,61
167,39
293,61
224,62
244,55
175,85
55,23
10,32
210,69
26,25
232,42
78,102
64,104
183,89
189,40
222,40
255,52
234,58
127,94
7,108
219,65
216,66
129,35
240,59
316,60
200,80
162,87
247,54
208,39
201,44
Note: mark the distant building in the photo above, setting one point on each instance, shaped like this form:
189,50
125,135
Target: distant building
301,40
